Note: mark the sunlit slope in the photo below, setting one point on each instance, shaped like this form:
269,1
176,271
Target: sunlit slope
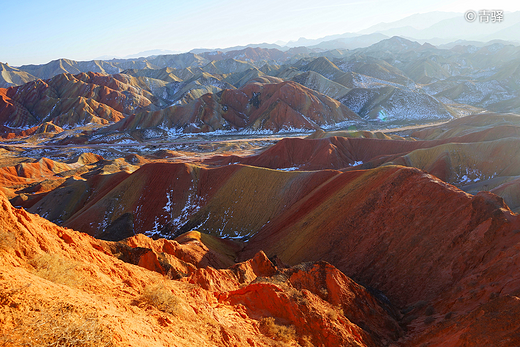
478,127
461,163
25,173
252,198
335,152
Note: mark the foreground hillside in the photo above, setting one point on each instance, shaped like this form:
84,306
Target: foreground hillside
58,285
343,238
434,273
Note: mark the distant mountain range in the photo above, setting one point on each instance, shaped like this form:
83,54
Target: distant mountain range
435,28
392,81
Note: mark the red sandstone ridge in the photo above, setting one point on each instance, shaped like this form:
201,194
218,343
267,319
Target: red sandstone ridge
31,172
58,284
334,152
72,100
433,250
468,161
44,128
255,106
171,198
327,153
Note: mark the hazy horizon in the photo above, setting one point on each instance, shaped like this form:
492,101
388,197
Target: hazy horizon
41,32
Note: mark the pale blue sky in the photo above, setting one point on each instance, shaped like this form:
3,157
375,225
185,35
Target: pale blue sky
36,32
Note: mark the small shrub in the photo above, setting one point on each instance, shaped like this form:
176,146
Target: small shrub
160,297
429,311
332,314
70,330
297,295
324,293
429,320
335,312
408,319
57,269
8,296
305,341
283,333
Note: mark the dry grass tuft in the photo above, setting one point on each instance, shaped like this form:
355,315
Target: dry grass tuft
57,269
305,341
7,241
335,313
270,328
161,298
26,321
62,326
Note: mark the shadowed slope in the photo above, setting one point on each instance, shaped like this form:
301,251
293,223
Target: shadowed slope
463,163
10,76
405,233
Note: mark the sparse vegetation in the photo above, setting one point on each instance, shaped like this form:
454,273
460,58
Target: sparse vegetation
324,293
305,341
7,240
298,295
160,297
62,325
27,321
429,320
283,333
429,311
57,269
335,312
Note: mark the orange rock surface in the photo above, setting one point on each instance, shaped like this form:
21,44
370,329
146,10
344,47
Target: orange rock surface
58,284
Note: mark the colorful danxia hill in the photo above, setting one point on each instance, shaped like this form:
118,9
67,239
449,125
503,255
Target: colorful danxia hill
262,198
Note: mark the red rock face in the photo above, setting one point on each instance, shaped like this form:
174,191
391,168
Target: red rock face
72,100
427,259
12,113
44,128
31,172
